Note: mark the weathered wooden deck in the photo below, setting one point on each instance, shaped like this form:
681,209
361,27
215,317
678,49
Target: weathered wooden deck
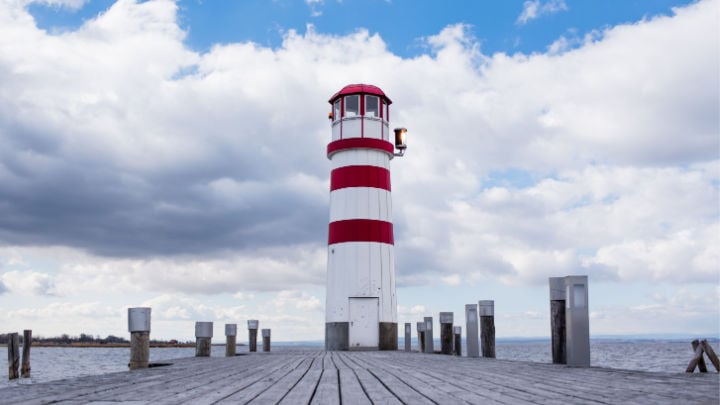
292,376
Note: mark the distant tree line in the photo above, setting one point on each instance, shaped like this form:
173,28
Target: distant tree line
66,339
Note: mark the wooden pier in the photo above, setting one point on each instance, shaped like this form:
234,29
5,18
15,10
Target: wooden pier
303,376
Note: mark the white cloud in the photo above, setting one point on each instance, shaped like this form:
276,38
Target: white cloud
533,9
167,171
27,282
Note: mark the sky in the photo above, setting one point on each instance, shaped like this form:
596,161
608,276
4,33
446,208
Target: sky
171,154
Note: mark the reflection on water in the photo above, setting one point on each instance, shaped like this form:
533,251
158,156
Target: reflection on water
55,363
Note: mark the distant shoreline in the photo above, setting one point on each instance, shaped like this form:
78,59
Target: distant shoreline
43,344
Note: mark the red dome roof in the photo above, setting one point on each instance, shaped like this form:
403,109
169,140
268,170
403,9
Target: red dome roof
360,89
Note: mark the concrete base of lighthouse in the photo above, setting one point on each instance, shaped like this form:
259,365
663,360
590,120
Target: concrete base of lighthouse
388,336
337,337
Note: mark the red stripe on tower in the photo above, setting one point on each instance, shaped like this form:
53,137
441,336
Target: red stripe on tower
360,230
360,176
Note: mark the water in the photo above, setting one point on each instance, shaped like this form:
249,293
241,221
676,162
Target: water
54,363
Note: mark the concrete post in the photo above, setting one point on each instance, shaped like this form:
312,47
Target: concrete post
457,330
421,336
408,329
429,344
266,340
487,327
252,334
446,332
231,336
471,322
557,319
139,328
203,338
577,321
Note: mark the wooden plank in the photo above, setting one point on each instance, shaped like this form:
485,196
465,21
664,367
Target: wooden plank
711,354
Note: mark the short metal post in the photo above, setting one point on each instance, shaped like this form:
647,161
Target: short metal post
203,338
421,336
458,340
266,340
557,319
252,334
139,328
446,332
471,319
487,327
231,342
577,321
408,329
429,344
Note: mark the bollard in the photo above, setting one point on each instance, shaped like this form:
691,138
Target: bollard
252,334
557,319
408,329
231,339
429,344
139,328
471,319
203,338
13,355
577,321
446,332
458,340
421,336
487,327
27,342
266,340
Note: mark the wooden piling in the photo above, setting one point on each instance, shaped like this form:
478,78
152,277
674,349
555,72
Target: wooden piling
231,339
252,334
408,329
487,327
557,320
711,354
203,338
446,332
457,346
266,340
139,328
13,355
27,342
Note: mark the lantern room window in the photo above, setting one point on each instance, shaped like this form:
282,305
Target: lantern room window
352,106
336,110
372,106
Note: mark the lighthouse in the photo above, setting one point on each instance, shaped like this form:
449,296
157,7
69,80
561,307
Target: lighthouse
361,306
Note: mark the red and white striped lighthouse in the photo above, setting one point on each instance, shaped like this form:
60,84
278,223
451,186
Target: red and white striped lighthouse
361,306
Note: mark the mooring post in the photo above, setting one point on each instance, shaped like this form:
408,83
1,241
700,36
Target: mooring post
408,329
266,340
27,342
421,336
13,355
231,336
487,327
139,328
557,319
203,338
429,344
471,323
446,332
458,340
252,334
711,354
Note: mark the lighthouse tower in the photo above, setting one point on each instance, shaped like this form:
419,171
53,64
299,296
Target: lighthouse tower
361,306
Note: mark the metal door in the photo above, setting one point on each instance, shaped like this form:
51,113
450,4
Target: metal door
364,326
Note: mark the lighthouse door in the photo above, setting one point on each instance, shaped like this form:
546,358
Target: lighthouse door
364,326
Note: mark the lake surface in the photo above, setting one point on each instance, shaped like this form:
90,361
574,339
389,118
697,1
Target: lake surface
54,363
